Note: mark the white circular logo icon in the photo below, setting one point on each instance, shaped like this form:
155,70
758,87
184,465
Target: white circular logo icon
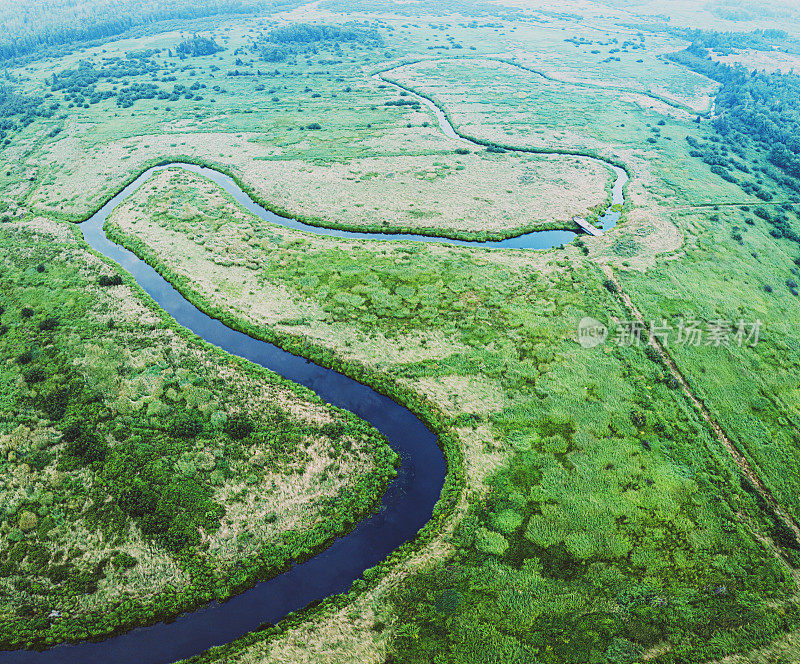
591,332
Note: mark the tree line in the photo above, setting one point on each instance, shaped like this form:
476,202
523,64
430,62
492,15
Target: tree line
40,24
752,106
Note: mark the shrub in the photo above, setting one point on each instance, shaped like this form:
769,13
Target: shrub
238,427
490,542
113,280
23,586
26,312
652,354
71,432
28,521
49,323
25,357
186,425
180,536
611,286
124,561
138,499
197,46
39,459
333,430
58,573
622,651
34,375
88,448
783,536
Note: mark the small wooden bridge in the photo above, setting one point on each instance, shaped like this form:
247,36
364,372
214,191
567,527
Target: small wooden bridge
587,227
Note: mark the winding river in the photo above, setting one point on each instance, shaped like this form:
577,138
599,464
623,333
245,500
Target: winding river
405,508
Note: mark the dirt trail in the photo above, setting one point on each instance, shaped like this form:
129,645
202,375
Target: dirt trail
740,460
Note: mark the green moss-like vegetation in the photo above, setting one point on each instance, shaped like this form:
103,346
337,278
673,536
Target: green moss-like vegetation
617,521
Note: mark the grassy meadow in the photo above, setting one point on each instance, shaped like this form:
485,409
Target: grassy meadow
252,115
144,472
582,483
598,518
753,390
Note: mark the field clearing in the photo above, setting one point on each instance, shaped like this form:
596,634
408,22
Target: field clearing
513,97
574,52
475,192
367,168
516,108
370,153
505,321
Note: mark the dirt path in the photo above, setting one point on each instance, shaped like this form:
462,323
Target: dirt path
740,460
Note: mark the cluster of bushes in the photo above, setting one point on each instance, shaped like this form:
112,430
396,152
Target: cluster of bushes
723,157
779,220
282,43
18,110
414,103
306,33
79,85
759,40
196,46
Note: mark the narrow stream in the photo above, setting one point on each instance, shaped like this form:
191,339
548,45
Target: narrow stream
537,239
405,508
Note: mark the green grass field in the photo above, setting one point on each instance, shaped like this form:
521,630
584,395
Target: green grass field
601,519
591,464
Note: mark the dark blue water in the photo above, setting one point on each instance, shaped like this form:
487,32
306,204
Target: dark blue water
405,508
